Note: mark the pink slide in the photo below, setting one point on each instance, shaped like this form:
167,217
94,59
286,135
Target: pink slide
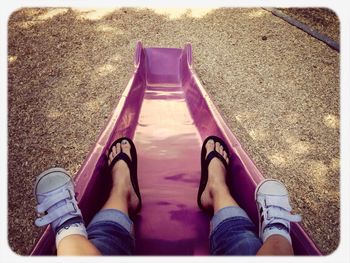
168,114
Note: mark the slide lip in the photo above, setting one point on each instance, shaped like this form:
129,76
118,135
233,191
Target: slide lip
137,55
188,49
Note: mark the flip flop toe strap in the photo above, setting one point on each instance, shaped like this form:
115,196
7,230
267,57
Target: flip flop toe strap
215,154
122,156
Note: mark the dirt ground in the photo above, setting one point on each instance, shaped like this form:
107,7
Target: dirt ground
277,88
320,19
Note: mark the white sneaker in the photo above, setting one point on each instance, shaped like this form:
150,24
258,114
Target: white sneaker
54,192
274,209
57,205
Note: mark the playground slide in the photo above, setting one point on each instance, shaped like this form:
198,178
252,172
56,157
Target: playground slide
168,114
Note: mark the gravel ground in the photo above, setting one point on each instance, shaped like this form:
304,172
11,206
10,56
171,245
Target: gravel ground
277,88
322,20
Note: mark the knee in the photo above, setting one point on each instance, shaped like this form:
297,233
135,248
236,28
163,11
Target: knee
245,246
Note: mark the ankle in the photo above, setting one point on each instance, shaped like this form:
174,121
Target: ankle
218,190
277,229
74,226
222,198
120,190
119,183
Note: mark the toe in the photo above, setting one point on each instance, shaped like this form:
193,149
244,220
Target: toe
224,154
210,146
118,148
221,151
217,147
114,151
126,147
111,154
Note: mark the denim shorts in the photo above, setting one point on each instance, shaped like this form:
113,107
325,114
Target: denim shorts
232,233
111,231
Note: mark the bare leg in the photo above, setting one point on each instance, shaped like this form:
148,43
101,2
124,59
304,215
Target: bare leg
276,245
122,197
76,245
216,194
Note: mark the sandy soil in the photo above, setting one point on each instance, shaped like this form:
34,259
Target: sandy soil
322,20
277,87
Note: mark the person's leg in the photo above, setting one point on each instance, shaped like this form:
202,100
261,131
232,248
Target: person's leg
122,196
276,245
111,230
76,245
275,217
57,206
232,232
216,194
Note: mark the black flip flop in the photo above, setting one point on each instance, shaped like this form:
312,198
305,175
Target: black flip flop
205,164
132,165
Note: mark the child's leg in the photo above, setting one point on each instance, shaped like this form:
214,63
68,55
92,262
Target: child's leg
54,190
275,217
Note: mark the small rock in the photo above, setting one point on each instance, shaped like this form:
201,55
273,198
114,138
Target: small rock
264,38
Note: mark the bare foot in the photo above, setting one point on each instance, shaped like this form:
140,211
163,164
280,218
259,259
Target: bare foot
122,187
216,194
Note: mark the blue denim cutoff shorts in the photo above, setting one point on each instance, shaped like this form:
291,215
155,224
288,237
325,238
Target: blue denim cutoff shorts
111,231
232,233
